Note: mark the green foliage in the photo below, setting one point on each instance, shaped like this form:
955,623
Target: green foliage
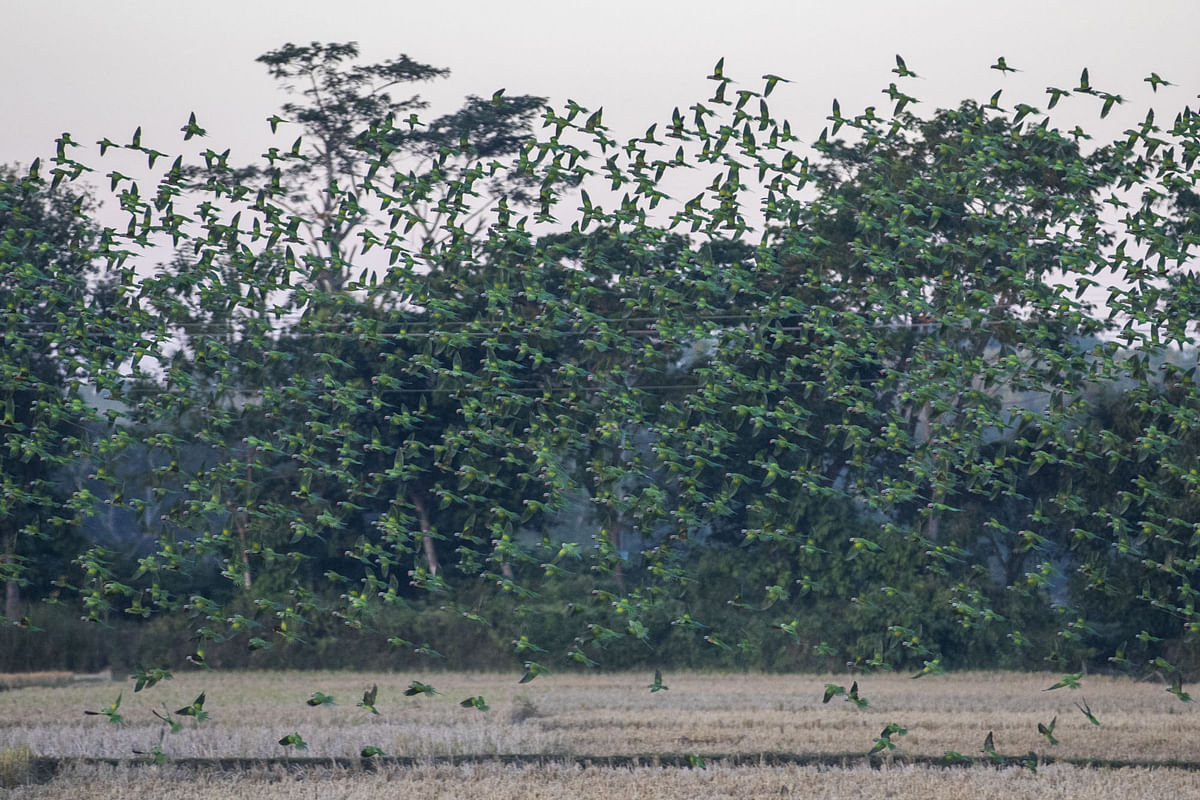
58,337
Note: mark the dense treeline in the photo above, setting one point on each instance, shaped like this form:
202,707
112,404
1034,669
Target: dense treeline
924,397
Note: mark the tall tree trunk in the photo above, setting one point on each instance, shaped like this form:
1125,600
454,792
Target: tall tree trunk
12,600
239,521
921,435
427,543
12,590
616,540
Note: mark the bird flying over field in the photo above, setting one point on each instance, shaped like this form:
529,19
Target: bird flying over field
110,712
532,670
884,740
368,699
168,720
931,668
195,709
197,658
658,685
1087,712
145,678
1048,730
476,702
294,740
416,687
1071,681
320,699
853,697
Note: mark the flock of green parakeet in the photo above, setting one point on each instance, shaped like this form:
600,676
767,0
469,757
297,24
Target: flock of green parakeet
407,367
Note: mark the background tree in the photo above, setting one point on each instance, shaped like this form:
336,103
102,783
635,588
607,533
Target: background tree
54,300
275,475
342,103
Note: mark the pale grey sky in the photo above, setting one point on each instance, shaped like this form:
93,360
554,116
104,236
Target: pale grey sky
100,69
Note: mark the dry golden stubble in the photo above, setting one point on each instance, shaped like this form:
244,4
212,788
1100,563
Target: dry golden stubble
607,714
501,782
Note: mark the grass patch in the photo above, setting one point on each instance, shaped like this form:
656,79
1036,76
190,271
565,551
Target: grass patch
15,765
20,680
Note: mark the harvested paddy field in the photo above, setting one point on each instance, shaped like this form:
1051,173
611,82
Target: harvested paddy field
502,782
604,735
